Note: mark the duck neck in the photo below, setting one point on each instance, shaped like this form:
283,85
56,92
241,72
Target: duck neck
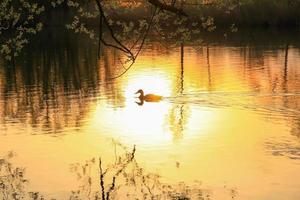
141,94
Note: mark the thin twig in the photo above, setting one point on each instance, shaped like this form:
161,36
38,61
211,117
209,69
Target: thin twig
146,33
114,46
147,187
101,179
112,187
122,46
141,46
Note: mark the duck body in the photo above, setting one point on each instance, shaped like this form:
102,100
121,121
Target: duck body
151,98
148,97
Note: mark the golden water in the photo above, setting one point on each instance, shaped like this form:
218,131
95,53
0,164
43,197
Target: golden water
229,117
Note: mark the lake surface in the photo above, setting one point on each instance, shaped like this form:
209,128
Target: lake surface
230,117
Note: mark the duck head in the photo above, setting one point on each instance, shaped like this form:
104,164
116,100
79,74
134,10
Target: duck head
141,92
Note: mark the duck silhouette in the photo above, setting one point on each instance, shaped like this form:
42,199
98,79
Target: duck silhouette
147,97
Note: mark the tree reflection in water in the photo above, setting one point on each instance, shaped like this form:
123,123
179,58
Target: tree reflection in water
122,179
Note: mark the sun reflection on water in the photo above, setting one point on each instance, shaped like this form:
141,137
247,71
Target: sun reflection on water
151,83
139,124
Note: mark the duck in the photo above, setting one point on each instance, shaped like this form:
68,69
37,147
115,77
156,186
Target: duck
148,97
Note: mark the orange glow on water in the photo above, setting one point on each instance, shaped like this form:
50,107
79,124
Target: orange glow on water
222,117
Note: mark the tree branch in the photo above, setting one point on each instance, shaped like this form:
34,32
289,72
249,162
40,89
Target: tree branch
170,8
140,47
122,46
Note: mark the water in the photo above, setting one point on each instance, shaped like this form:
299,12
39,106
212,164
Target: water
229,117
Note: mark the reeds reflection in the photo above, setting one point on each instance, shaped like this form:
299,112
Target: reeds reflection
122,179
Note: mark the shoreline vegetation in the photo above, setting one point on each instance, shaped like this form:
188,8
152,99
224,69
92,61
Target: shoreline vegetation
120,178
